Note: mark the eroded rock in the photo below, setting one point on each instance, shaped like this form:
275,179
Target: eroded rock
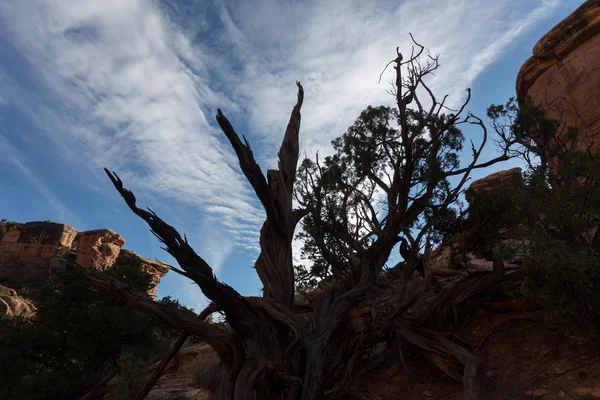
11,304
562,76
31,252
155,268
496,179
98,249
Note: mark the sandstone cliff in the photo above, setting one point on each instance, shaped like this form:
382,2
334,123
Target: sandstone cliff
11,304
563,75
30,252
183,378
442,258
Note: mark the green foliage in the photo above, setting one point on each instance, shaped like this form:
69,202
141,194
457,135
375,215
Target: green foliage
554,215
78,335
346,191
133,364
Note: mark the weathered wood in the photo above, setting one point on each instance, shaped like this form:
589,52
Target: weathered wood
155,375
141,395
99,391
271,352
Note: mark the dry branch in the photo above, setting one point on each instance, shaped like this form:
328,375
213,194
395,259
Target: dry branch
272,352
184,320
169,356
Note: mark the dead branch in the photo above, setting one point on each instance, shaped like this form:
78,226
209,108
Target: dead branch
169,356
184,320
161,367
230,301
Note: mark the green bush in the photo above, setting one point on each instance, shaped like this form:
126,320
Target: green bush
78,334
554,215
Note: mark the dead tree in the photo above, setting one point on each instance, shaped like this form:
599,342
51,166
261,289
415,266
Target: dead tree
274,350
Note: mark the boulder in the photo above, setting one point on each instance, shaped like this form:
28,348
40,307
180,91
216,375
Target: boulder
496,179
98,249
11,304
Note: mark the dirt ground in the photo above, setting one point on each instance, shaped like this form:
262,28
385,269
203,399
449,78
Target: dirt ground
526,356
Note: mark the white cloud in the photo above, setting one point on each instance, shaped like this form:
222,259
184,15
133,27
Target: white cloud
338,49
132,84
131,91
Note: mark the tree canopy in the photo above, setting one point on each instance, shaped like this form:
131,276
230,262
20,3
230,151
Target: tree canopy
78,335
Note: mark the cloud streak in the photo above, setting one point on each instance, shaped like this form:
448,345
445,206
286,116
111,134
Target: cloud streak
133,84
338,49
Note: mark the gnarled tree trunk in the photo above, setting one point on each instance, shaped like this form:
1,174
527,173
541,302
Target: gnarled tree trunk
274,350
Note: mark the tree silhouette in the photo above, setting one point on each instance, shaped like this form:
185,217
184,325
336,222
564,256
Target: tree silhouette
388,181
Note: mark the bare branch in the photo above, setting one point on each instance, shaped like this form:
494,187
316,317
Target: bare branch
180,319
235,306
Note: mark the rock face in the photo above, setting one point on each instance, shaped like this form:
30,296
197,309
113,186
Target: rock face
442,258
11,304
496,179
179,379
98,249
563,75
26,250
30,252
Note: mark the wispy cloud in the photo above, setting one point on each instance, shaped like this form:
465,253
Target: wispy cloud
13,156
134,83
133,93
338,49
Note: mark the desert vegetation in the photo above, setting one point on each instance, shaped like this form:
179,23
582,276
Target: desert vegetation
394,176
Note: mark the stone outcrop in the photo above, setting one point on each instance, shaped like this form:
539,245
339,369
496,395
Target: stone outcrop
26,250
30,252
179,379
496,179
11,304
563,75
98,249
155,268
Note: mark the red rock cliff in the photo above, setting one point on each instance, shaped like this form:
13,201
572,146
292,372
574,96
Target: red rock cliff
563,75
29,252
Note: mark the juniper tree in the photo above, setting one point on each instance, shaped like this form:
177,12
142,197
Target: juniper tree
389,178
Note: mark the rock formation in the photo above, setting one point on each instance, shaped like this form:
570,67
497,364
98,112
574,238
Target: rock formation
496,179
442,258
30,252
11,304
180,377
563,75
98,249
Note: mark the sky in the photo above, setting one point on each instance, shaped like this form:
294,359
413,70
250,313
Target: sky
134,85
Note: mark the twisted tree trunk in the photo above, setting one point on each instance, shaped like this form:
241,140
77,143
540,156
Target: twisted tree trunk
274,350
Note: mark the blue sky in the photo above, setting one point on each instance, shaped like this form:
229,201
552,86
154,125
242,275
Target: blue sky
134,85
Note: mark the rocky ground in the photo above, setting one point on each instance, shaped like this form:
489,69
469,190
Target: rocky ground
528,356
